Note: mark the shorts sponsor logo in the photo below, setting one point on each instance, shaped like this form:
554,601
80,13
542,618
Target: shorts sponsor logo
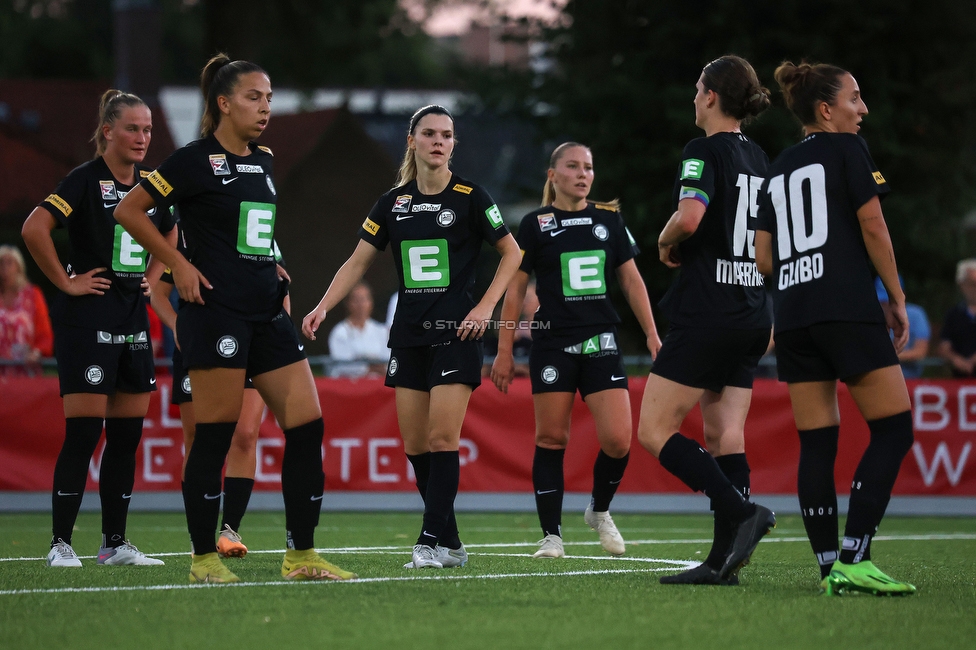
692,168
162,186
227,346
577,221
59,203
104,337
402,203
94,375
494,217
547,222
371,226
250,169
549,375
426,207
394,366
463,189
218,162
271,186
446,218
185,385
878,178
108,190
600,232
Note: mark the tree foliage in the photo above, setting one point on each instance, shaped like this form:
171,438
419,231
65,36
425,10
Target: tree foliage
622,78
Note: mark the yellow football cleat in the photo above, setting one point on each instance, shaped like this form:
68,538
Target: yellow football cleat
209,569
307,565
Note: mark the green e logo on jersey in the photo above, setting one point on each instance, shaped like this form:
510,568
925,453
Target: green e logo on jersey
494,216
425,263
692,168
583,273
255,230
127,255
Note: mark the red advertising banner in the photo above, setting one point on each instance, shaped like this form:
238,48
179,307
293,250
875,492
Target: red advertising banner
363,452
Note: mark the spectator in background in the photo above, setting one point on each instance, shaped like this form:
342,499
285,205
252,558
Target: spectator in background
358,343
919,333
522,344
25,328
957,343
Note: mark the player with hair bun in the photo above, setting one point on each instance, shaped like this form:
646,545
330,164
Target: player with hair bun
719,319
101,326
829,323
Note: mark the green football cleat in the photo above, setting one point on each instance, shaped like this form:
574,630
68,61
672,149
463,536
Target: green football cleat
308,565
208,568
866,578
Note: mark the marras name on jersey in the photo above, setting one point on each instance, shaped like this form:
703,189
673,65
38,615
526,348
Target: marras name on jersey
741,273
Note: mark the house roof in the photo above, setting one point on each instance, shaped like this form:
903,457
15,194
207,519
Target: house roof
28,175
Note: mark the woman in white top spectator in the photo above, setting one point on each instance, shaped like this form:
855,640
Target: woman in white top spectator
358,343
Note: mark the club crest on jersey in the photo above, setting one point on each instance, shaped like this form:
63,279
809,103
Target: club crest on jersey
446,218
600,232
402,203
186,385
547,222
394,365
271,186
94,375
550,374
108,190
218,162
227,346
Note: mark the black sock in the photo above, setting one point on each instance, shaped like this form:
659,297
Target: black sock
445,471
547,480
201,482
607,474
303,483
736,469
237,492
817,493
116,476
71,473
891,438
450,538
687,460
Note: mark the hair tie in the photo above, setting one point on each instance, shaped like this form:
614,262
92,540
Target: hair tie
755,97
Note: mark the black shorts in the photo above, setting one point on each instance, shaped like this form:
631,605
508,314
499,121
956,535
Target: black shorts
182,391
103,362
570,369
831,351
423,367
711,358
211,339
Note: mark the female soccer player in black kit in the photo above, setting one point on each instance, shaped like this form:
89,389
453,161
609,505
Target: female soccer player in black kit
435,221
233,324
719,320
820,229
575,247
105,359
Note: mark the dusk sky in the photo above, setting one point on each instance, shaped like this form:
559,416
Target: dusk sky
455,17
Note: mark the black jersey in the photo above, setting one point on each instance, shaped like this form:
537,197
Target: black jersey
84,203
718,284
821,269
574,256
227,214
436,240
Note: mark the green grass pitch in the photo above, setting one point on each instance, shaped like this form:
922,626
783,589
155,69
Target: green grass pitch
502,599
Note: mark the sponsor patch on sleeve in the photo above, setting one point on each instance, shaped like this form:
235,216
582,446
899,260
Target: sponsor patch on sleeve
878,178
692,168
494,216
463,189
265,149
371,226
605,206
59,203
143,173
162,186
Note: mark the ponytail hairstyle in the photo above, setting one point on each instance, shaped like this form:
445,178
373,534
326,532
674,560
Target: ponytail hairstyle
219,79
806,85
109,110
548,190
733,79
408,168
